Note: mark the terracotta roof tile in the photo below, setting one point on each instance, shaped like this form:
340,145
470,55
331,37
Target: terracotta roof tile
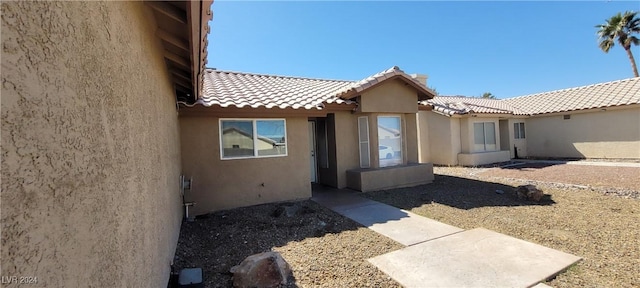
372,80
450,105
226,88
601,95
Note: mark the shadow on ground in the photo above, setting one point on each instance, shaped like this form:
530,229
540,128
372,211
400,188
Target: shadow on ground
530,166
218,241
458,192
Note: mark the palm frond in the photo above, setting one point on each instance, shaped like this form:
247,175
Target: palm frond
606,45
619,27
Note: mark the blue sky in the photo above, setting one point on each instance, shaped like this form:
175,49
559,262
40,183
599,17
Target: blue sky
508,48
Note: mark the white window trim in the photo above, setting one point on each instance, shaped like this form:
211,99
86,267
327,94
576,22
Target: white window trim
255,138
517,134
360,142
484,130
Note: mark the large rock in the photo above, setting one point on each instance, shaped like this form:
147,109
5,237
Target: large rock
529,192
266,269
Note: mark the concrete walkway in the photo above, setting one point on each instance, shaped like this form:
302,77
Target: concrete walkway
441,255
400,225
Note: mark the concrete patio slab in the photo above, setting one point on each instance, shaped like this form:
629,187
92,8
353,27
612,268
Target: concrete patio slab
474,258
337,201
400,225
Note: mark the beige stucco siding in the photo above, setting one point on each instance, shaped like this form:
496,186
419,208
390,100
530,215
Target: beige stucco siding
444,137
411,138
347,148
90,146
614,133
222,184
467,134
424,141
390,97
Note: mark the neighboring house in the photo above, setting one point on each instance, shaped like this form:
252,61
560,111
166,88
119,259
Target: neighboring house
238,142
327,132
594,121
91,140
468,131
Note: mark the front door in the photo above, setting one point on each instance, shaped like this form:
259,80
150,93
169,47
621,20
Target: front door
312,149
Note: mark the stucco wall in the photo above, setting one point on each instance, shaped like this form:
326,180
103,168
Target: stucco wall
424,142
467,133
223,184
366,180
411,138
390,97
347,150
90,147
482,158
614,133
444,137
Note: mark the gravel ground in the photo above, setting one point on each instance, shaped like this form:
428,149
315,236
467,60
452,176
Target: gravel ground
603,229
600,224
598,177
323,248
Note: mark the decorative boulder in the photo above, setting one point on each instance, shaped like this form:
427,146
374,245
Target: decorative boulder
529,192
266,269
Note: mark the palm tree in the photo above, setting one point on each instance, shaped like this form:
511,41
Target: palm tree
621,27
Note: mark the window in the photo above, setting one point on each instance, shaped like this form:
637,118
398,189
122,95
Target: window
566,117
242,138
518,130
484,136
389,141
363,138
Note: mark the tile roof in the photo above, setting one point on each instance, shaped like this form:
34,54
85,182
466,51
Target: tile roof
226,89
357,87
601,95
450,105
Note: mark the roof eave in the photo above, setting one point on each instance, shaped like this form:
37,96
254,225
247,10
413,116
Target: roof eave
423,92
199,15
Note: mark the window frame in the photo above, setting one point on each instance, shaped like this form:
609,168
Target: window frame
401,130
484,137
254,123
519,130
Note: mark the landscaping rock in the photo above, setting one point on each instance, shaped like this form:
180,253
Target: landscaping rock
529,192
266,269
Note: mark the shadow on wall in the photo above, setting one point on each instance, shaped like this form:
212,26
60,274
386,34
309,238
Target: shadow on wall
457,192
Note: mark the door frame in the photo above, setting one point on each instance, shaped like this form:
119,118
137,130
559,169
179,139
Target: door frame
313,164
